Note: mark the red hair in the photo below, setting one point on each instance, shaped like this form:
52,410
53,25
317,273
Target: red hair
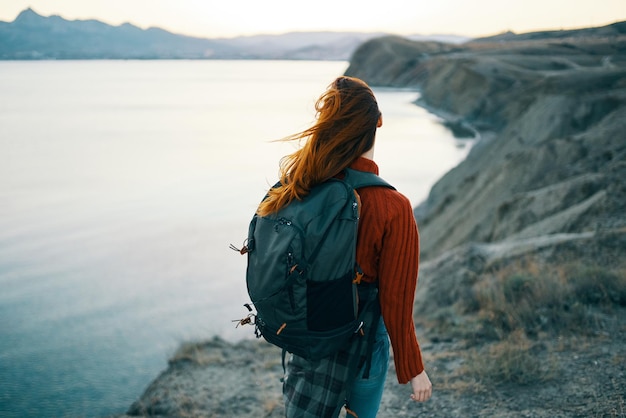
345,128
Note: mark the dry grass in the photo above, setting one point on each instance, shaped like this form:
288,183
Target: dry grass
196,353
511,360
516,309
534,300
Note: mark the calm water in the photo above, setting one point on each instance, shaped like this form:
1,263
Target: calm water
122,183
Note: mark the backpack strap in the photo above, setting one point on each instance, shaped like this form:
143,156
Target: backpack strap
358,179
374,312
283,358
370,314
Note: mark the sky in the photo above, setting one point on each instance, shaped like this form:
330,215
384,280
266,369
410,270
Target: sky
231,18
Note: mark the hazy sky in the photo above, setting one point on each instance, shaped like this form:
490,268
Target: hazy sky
228,18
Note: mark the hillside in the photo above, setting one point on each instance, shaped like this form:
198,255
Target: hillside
552,115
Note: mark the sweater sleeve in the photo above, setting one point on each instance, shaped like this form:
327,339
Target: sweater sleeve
398,270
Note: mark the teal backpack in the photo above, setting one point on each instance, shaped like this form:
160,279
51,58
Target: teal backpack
302,276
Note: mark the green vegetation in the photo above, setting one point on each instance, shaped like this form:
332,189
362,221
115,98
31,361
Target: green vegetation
566,299
519,308
197,353
510,360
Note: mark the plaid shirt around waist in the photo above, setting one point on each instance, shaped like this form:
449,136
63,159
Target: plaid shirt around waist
316,389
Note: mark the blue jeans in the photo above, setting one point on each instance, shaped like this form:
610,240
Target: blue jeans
365,394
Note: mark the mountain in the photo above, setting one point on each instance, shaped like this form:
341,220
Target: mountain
299,45
32,36
316,45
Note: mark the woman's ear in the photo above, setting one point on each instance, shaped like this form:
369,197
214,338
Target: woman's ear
380,121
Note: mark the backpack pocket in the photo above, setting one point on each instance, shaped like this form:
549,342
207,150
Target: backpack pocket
330,304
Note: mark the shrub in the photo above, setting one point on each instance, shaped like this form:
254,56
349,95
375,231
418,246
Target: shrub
557,299
197,352
511,360
517,287
598,286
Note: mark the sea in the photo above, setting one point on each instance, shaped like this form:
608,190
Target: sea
122,185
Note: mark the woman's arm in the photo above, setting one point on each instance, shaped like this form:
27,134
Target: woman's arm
398,268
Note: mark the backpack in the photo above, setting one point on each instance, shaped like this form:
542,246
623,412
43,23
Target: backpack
302,275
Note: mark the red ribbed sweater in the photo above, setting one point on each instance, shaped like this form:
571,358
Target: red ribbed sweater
388,251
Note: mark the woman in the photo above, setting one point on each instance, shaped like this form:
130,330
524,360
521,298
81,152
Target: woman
387,251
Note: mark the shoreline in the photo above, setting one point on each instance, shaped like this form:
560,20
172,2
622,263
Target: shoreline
461,129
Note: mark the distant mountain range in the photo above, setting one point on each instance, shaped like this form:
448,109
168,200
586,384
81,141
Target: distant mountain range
32,36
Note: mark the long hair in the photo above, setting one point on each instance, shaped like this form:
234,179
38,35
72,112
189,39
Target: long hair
346,119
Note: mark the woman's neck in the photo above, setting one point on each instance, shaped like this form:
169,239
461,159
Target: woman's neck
369,154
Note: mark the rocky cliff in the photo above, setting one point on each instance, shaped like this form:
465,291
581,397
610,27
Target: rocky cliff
552,113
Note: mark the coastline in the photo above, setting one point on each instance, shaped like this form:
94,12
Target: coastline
459,126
